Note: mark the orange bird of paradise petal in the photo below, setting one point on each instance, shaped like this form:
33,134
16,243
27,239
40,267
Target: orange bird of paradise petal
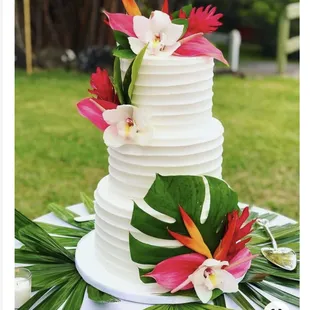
195,242
131,7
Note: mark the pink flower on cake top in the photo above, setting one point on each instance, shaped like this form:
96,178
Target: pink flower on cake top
180,34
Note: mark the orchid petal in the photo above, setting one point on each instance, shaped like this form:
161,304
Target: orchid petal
136,45
159,21
200,46
89,109
214,263
165,7
144,136
141,117
121,22
142,28
173,33
225,281
172,272
120,114
203,293
169,50
131,7
241,263
199,281
112,138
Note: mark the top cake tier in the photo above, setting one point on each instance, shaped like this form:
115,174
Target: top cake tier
176,92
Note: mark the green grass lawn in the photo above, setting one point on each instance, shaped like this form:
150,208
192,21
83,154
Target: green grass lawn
59,154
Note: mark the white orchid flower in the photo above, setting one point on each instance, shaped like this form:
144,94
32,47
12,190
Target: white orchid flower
208,277
127,125
158,32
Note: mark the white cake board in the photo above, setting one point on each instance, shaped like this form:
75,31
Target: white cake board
94,273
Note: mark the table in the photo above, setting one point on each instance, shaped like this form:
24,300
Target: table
124,305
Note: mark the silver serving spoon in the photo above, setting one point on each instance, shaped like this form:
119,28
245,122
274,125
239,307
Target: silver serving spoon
284,258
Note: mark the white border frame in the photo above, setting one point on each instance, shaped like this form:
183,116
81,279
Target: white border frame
7,133
7,161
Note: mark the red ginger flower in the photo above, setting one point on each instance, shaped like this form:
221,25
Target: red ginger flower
202,20
103,87
92,108
233,240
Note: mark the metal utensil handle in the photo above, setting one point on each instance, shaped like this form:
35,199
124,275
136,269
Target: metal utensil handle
265,223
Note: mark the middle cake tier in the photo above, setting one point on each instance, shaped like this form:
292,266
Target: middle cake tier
133,168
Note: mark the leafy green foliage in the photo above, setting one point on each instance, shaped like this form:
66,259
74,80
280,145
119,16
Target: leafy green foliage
241,301
75,301
58,281
135,70
123,53
126,83
118,83
68,217
37,240
122,39
187,9
62,231
166,194
220,301
88,202
254,295
276,292
54,274
100,297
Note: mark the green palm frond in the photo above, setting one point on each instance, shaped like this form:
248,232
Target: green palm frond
56,281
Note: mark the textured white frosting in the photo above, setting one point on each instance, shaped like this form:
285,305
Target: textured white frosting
176,93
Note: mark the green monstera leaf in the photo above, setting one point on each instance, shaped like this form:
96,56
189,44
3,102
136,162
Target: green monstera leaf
196,194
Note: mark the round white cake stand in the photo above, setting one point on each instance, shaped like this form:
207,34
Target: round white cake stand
94,273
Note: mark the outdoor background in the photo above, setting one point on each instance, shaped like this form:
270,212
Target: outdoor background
60,154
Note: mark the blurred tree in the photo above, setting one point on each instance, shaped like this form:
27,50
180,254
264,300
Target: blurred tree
256,19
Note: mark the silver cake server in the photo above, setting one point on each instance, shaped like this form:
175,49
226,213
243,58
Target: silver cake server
284,258
85,218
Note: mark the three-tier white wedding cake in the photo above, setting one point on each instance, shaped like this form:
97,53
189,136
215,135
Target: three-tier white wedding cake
156,115
176,94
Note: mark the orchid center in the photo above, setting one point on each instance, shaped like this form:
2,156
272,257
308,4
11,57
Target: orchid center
156,45
130,122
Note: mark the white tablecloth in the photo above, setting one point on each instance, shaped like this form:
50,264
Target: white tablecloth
124,305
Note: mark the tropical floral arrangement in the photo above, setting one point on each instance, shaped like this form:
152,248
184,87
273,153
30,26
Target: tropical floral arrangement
213,262
162,34
180,33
